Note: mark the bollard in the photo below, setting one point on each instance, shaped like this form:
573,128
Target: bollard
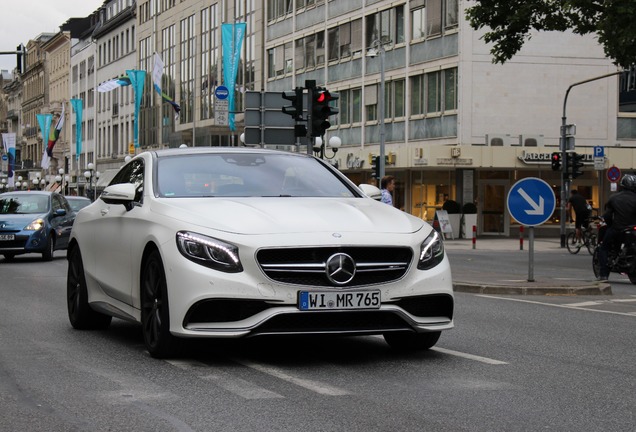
521,237
474,235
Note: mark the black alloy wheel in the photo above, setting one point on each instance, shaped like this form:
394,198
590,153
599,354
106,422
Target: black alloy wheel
155,311
80,314
410,341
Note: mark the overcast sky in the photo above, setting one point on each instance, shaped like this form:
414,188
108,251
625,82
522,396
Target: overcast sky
23,20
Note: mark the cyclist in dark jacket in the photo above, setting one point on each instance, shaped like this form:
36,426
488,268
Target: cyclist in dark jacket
620,212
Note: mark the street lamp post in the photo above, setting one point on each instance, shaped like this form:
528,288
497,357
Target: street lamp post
565,180
378,47
89,174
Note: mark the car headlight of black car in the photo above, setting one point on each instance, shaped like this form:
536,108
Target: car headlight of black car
431,251
209,252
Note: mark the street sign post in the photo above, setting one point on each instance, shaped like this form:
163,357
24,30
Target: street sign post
613,174
531,202
221,105
599,158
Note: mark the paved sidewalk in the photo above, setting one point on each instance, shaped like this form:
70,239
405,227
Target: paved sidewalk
492,281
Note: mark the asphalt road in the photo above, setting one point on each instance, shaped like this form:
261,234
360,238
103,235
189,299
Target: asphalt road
513,363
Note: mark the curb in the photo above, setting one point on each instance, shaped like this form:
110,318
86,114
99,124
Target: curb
477,288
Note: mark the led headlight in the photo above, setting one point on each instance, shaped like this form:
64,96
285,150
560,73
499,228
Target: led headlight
35,225
431,251
209,252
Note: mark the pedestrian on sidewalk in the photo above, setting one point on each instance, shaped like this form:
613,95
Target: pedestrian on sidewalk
387,186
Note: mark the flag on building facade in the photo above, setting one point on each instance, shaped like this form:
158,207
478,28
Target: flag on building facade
77,105
157,73
8,142
53,137
231,39
107,86
137,79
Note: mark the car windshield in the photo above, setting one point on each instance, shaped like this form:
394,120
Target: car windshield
247,175
77,203
24,204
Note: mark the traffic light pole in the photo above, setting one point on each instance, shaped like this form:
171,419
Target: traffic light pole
565,180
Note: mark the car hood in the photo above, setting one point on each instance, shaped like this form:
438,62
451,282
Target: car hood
18,221
290,215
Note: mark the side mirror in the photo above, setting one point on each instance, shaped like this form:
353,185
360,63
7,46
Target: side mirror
122,193
60,212
371,191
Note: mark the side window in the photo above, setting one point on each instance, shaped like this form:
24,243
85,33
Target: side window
57,203
132,173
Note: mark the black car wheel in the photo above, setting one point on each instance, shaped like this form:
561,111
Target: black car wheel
408,341
80,314
155,311
47,255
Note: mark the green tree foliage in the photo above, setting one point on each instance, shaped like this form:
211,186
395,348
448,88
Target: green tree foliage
509,24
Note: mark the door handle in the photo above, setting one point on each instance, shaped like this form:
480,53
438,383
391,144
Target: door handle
104,212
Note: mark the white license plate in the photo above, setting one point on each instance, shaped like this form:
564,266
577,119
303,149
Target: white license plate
333,300
7,237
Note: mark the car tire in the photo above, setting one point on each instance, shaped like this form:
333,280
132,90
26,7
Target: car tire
409,341
155,311
80,314
47,255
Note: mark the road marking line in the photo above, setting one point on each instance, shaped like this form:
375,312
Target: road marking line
242,388
469,356
315,386
461,354
557,305
623,300
229,382
582,304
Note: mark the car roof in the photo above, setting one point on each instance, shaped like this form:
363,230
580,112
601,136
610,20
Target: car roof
47,193
77,198
218,150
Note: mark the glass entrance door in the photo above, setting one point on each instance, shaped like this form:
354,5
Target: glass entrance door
493,214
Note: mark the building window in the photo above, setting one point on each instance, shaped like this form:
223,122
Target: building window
278,8
351,106
429,91
209,58
451,9
433,17
450,89
418,23
386,26
187,48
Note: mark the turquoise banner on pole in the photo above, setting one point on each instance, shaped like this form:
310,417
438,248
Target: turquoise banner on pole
137,80
78,107
45,125
232,38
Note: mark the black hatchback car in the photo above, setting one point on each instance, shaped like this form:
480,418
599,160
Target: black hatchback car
34,222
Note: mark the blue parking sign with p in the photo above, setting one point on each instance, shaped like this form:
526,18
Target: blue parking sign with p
599,151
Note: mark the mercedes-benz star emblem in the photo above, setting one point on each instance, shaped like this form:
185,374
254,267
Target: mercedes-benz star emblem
340,269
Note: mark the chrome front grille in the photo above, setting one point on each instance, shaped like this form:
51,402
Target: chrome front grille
308,266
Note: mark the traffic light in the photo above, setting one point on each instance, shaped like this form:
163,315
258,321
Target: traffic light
20,52
556,161
321,110
375,167
296,108
576,165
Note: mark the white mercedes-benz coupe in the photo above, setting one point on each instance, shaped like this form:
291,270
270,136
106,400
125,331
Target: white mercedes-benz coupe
228,242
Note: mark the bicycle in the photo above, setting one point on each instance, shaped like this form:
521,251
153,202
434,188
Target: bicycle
588,236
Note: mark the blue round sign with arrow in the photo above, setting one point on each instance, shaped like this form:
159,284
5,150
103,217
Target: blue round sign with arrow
531,201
